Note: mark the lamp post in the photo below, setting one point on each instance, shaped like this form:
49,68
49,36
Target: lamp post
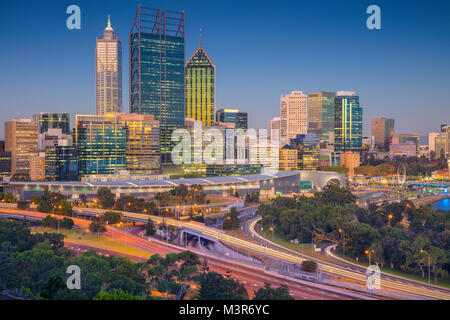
369,254
389,219
428,255
343,241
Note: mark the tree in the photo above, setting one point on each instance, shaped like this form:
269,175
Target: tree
23,204
63,207
116,294
214,286
9,197
309,266
52,286
112,217
106,198
231,219
97,227
268,293
67,223
150,229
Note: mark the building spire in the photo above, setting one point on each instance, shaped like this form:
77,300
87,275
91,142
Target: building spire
108,27
200,36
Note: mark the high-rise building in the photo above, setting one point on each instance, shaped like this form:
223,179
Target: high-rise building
288,158
53,137
61,163
432,141
143,154
307,146
114,142
21,139
108,72
350,160
101,143
157,73
37,167
48,121
274,124
321,114
240,119
442,142
293,115
382,131
348,122
5,164
201,87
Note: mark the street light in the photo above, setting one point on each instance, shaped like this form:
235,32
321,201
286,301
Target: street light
343,241
369,253
389,219
423,251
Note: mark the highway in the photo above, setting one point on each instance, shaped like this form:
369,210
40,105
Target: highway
252,277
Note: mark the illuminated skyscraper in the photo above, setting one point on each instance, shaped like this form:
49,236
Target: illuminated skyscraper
348,122
108,73
201,87
294,115
157,70
48,121
21,139
321,114
240,119
115,142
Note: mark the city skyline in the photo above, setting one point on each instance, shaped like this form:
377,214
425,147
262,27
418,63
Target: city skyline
365,75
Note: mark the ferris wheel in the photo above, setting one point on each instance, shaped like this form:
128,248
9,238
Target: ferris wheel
401,175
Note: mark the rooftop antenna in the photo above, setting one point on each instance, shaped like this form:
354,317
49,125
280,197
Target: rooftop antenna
200,36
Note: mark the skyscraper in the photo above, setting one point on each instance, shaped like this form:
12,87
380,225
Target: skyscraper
201,87
240,119
48,121
61,163
108,72
157,70
101,143
382,131
274,124
294,115
21,139
115,142
348,122
321,114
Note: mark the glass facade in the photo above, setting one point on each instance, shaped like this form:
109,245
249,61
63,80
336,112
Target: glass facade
321,114
348,124
201,87
5,164
47,121
233,170
61,163
101,143
157,75
307,146
240,119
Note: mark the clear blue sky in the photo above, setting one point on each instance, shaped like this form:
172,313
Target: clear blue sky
262,49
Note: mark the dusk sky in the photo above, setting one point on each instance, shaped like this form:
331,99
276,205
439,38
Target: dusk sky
262,49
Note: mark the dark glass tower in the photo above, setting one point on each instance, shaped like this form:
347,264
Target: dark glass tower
321,114
348,123
240,119
157,70
47,121
61,163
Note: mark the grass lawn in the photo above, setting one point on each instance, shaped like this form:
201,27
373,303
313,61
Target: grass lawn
82,237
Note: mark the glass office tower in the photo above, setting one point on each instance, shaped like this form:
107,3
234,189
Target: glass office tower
157,70
101,143
201,87
108,72
307,146
47,121
61,163
321,114
240,119
348,122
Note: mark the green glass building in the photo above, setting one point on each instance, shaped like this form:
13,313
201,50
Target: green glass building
201,87
61,163
157,52
348,123
101,143
321,114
